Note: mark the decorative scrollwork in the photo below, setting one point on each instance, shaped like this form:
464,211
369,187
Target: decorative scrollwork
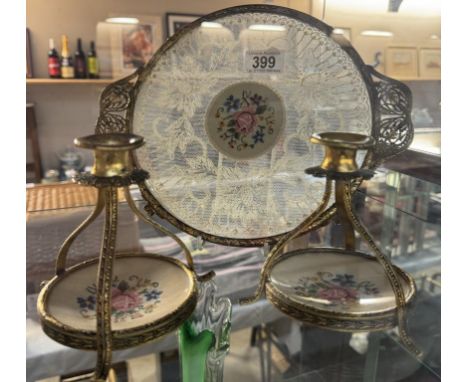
135,176
393,126
115,101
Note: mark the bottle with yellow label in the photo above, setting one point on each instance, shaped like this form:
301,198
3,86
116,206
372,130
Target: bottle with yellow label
66,64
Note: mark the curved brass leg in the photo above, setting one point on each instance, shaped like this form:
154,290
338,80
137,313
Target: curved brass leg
348,230
165,231
104,284
303,227
389,272
63,252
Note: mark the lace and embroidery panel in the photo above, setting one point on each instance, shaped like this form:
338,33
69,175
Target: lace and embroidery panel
321,88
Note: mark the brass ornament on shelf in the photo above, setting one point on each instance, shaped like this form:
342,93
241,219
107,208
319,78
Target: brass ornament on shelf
114,168
339,166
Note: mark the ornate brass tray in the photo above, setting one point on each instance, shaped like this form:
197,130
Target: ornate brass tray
227,106
151,296
336,289
339,289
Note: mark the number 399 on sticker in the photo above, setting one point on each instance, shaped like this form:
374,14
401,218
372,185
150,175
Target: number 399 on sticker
263,61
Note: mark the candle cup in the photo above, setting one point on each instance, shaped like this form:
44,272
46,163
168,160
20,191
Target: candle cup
112,152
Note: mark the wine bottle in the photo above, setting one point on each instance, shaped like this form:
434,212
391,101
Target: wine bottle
93,63
53,60
66,63
80,61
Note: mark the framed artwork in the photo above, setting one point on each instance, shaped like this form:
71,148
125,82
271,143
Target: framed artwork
401,62
429,62
133,45
175,21
345,32
29,70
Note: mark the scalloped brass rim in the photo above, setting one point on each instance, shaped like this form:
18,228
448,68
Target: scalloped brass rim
376,320
124,338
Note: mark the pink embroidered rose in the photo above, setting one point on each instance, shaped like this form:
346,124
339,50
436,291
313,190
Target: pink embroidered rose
246,120
337,294
124,301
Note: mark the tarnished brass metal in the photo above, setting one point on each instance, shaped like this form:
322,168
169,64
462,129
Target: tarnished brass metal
391,101
390,272
286,238
342,322
113,168
349,237
341,150
111,152
340,165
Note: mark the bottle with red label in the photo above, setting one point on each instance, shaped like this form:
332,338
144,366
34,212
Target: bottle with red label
53,60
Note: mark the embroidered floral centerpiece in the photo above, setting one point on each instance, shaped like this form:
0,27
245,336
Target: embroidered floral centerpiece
245,120
130,299
339,289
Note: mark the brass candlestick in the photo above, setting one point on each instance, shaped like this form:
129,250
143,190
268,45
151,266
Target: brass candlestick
113,169
339,166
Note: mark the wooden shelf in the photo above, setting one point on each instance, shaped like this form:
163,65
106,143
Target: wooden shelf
60,81
404,79
106,81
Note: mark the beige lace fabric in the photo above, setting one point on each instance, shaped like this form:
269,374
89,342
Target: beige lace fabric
320,86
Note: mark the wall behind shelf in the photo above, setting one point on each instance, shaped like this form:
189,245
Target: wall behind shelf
67,111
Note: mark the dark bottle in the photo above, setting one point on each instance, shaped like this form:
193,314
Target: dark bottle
66,64
53,60
80,61
93,63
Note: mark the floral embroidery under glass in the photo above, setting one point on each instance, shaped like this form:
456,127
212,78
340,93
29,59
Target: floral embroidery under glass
244,121
339,289
131,298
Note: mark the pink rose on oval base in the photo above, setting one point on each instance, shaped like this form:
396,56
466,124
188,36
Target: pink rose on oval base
246,120
124,301
337,294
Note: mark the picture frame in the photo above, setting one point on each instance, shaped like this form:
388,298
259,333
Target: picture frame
401,62
29,66
429,63
133,45
176,21
345,32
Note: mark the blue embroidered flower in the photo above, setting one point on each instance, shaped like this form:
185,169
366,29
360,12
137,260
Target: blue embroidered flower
344,280
232,104
256,99
87,303
152,295
258,137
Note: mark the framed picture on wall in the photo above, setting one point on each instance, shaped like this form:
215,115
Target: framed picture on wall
29,70
401,62
429,62
345,32
175,21
133,45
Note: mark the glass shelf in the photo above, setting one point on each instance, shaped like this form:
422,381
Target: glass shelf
397,209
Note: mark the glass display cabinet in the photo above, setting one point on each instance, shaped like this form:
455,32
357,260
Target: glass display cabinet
402,213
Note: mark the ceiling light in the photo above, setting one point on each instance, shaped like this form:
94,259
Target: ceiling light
122,20
434,37
338,31
266,27
377,33
210,24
